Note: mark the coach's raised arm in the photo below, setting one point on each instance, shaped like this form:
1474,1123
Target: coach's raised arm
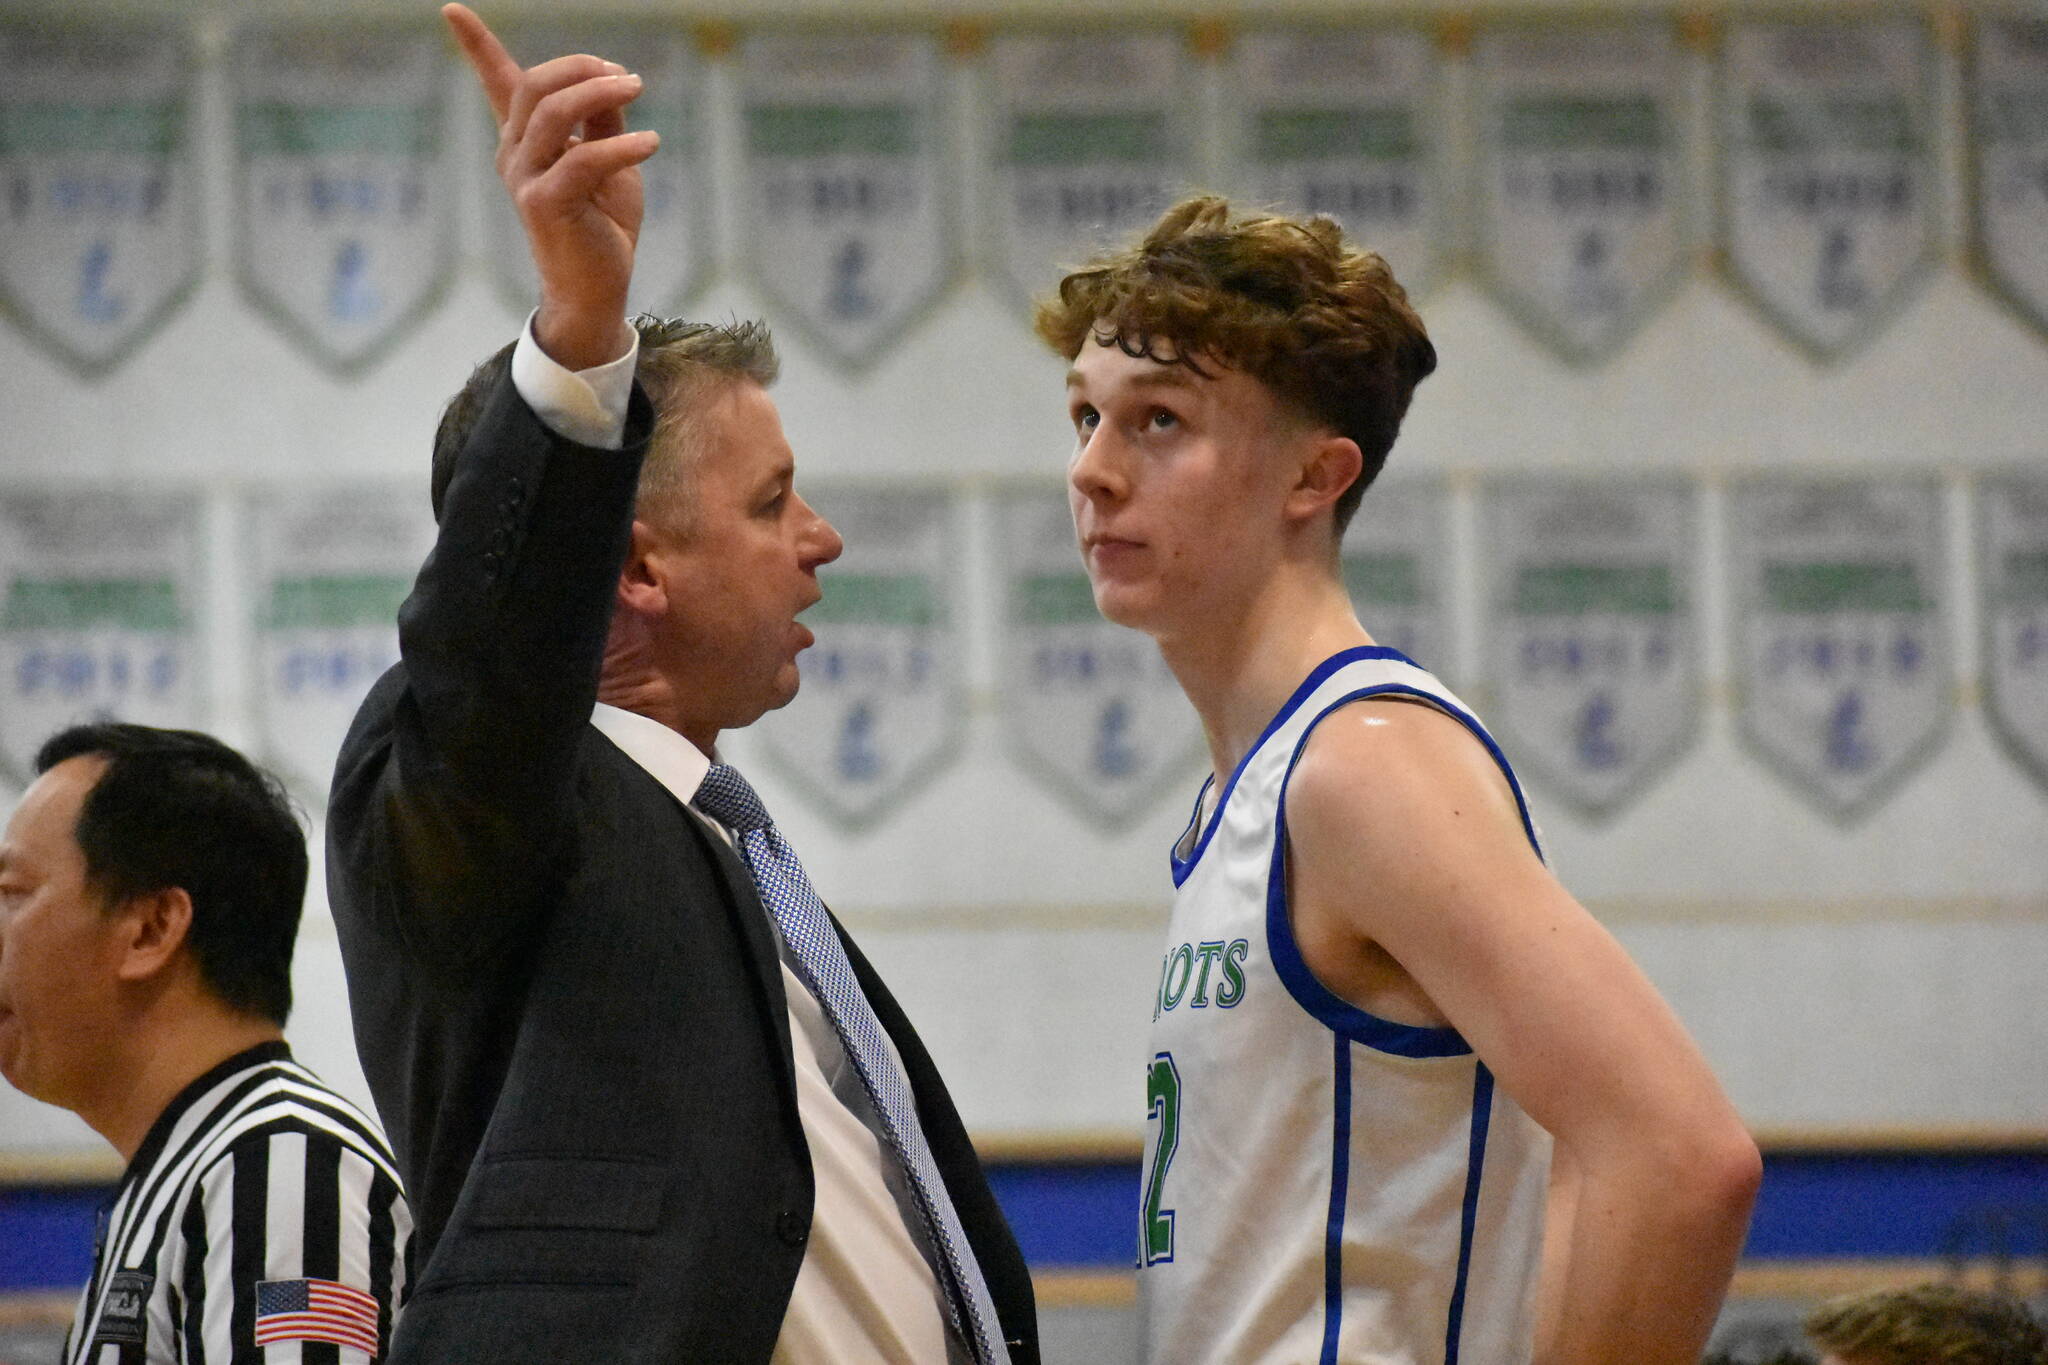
572,168
651,1103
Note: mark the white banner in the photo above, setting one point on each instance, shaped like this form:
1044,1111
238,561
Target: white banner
98,594
1581,176
2013,520
1828,172
1844,680
329,568
1345,122
671,261
2009,139
1592,640
1087,704
99,195
1395,559
842,173
344,214
883,705
1090,139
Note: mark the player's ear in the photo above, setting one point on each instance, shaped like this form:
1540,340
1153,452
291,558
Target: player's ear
642,589
152,927
1329,465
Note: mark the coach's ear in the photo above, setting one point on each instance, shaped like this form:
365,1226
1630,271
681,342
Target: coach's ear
151,928
641,588
1330,464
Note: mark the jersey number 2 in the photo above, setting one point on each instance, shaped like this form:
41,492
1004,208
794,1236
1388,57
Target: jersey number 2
1162,1094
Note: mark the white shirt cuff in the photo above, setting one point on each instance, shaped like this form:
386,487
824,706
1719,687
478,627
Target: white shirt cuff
585,406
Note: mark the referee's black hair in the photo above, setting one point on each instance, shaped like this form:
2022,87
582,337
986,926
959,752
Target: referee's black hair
175,808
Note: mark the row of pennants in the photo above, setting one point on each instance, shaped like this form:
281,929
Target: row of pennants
1826,132
1843,615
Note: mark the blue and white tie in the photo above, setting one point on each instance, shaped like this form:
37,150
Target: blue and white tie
821,960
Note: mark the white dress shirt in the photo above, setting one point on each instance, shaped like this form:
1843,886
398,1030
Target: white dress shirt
868,1289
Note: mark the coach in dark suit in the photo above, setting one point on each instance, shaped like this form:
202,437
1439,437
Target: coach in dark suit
642,1118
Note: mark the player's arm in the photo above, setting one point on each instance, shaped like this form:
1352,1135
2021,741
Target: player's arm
291,1238
1403,833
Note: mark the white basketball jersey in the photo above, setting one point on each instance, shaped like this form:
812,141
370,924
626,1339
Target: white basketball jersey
1320,1185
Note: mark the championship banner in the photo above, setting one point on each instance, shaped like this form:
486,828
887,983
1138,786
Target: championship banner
1090,140
343,212
1844,680
1592,639
1581,176
1828,172
101,206
671,261
883,703
841,177
98,592
1394,562
2013,522
329,568
2009,142
1343,121
1087,704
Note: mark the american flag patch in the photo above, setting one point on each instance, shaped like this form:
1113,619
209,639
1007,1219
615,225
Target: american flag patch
315,1310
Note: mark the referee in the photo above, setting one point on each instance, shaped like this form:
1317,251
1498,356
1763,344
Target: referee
150,889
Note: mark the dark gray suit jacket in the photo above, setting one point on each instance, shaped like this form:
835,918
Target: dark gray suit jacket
566,992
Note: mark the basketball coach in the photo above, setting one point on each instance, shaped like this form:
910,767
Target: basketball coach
652,1105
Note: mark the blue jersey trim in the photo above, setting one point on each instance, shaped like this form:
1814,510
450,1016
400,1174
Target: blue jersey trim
1336,1013
1183,866
1173,858
1475,1163
1340,1182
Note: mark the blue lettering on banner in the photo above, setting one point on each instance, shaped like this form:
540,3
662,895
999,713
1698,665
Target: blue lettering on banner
95,304
1848,751
1115,756
1363,198
321,668
1834,655
75,672
1578,653
1594,740
855,755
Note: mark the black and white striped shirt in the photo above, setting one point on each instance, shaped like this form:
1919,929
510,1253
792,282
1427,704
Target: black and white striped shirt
261,1220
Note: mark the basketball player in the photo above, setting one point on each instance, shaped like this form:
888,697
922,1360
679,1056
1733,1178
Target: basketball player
1377,1010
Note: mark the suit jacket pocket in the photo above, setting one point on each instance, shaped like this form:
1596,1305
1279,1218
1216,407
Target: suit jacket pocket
596,1194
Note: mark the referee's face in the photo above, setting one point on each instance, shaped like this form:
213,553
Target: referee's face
59,947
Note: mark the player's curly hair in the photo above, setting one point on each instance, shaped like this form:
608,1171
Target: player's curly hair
1929,1324
1322,324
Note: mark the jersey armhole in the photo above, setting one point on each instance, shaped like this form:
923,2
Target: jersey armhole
1332,1010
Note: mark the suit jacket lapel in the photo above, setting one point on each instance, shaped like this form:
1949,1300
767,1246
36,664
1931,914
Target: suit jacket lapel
742,902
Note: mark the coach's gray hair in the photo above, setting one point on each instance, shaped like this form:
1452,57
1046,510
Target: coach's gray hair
684,366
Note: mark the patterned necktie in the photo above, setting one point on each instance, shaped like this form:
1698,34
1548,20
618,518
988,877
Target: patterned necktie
821,960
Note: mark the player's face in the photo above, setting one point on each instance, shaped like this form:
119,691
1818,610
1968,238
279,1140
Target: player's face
1177,483
59,949
739,564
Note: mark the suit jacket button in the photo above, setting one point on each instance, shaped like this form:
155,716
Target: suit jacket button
792,1227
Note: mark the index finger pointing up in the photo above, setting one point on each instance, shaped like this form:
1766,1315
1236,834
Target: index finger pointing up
494,67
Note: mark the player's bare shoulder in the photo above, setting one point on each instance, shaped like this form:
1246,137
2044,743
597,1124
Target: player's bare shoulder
1390,778
1406,854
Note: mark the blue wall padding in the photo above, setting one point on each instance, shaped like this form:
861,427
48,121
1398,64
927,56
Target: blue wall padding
46,1236
1082,1215
1817,1205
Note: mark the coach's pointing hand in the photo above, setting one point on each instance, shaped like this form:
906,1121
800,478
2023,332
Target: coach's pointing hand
573,172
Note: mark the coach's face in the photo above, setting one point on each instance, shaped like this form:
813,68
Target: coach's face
737,566
60,951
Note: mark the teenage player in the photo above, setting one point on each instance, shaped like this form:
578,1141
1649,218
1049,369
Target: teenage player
1377,1010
